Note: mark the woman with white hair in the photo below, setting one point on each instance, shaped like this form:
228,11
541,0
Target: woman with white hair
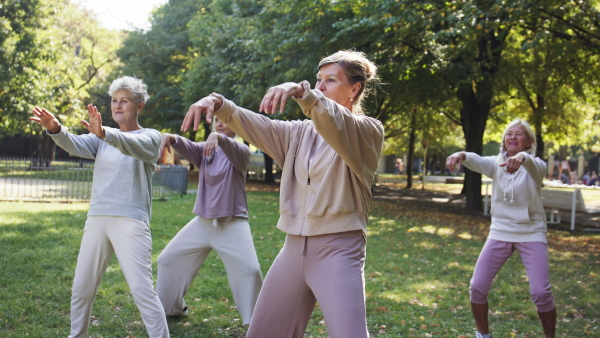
518,222
119,215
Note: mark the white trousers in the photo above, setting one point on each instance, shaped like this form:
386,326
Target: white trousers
131,241
181,259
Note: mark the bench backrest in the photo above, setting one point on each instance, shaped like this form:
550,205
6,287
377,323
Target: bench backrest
563,199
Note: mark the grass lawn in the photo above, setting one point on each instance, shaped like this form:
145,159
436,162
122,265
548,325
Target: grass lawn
419,263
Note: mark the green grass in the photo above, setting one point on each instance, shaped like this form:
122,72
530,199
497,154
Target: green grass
419,263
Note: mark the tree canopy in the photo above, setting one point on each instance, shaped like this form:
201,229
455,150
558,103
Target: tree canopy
453,73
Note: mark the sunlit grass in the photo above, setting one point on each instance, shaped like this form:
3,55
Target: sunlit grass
417,274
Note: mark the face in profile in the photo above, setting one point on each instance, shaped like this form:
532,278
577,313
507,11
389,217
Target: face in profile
333,83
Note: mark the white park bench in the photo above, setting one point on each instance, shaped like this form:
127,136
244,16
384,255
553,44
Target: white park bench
567,200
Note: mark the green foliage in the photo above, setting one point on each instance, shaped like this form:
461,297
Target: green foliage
162,57
51,54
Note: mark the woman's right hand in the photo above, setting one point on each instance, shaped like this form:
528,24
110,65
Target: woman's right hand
207,105
278,96
46,119
454,161
165,143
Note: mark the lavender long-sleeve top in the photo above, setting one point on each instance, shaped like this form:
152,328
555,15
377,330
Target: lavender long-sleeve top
221,183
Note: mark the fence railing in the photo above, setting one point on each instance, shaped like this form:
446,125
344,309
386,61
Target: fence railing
36,179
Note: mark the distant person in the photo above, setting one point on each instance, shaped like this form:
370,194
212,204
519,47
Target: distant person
593,179
119,215
573,177
585,179
518,223
564,178
221,224
565,168
399,166
329,162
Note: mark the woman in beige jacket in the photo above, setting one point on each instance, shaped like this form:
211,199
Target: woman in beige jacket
328,163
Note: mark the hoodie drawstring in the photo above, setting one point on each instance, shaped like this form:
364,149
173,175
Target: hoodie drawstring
512,190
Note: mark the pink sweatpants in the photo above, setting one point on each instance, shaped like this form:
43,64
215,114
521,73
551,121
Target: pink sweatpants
328,269
534,256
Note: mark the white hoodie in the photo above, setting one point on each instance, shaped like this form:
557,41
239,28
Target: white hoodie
517,211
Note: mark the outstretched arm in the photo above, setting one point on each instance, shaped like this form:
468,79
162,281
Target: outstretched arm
276,96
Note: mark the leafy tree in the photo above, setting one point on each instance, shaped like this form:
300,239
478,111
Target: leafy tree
52,63
161,57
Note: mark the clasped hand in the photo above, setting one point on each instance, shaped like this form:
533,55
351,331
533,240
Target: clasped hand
513,163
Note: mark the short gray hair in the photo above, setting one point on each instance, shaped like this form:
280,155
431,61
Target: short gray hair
528,130
135,86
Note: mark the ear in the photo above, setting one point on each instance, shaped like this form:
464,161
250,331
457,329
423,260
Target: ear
356,89
140,106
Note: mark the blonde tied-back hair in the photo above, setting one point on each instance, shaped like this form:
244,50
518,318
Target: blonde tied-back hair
530,135
358,69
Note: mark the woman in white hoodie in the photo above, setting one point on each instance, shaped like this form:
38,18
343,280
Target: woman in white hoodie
518,222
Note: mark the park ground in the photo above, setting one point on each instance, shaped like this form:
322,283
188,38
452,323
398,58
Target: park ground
422,246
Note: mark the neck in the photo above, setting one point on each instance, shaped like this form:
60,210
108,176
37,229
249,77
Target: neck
129,126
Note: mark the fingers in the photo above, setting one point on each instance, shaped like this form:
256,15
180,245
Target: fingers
185,125
511,165
194,114
276,96
165,142
86,125
162,148
453,163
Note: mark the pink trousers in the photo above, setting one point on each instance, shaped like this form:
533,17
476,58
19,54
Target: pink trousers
328,269
534,256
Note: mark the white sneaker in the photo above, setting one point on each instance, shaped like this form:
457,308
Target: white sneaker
479,335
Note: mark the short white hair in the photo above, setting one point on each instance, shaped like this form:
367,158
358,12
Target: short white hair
137,88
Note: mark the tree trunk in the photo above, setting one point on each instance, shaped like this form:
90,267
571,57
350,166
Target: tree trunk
269,177
44,153
537,121
474,116
411,149
475,94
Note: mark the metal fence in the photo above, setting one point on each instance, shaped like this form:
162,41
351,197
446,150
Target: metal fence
34,179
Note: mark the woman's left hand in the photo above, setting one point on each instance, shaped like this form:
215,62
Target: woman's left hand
95,124
513,163
278,96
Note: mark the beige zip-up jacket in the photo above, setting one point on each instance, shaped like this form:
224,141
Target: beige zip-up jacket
328,162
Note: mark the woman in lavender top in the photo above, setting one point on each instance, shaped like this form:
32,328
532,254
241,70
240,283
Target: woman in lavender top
221,224
119,215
